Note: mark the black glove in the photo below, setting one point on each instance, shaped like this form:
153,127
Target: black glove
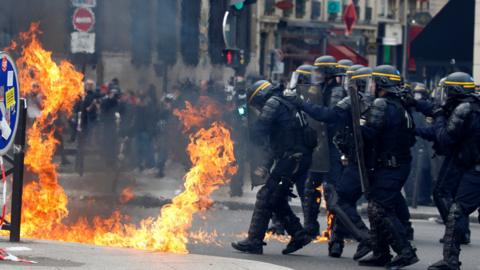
408,99
438,112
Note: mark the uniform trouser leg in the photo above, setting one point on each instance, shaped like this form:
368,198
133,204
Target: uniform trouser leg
446,180
389,227
312,200
349,191
467,201
403,214
262,213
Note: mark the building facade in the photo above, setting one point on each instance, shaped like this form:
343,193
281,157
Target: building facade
162,42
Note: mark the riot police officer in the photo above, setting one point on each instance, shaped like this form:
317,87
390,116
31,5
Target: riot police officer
449,175
284,132
348,190
328,93
461,131
389,130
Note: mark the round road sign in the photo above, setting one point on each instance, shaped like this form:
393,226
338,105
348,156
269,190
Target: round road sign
9,102
83,19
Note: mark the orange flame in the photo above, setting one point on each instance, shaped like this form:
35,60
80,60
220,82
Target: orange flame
127,195
197,116
327,233
45,201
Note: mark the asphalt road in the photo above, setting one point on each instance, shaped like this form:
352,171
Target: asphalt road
232,225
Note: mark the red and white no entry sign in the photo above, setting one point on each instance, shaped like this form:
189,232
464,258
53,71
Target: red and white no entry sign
83,19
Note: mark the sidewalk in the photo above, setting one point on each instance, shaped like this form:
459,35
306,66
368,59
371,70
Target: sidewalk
60,255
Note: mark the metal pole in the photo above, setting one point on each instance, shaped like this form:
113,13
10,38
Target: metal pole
18,164
405,39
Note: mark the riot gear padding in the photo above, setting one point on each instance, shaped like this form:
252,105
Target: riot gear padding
326,67
376,116
259,93
387,78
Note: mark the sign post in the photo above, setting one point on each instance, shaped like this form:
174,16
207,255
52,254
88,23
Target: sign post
12,134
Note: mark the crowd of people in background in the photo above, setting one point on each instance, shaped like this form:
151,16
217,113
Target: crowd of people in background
131,130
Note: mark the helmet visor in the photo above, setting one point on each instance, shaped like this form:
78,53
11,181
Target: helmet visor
345,80
318,77
293,81
440,95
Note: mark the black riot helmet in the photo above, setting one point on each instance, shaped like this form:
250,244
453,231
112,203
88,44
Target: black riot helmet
259,92
343,65
455,86
361,79
303,76
420,91
326,68
349,72
386,78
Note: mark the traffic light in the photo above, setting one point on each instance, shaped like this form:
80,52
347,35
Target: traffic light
240,4
234,57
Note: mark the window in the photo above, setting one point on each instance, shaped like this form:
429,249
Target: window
316,9
300,8
269,8
386,9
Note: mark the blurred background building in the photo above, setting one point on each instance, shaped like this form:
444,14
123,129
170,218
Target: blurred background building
161,41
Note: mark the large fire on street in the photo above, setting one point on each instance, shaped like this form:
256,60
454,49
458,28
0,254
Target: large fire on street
45,203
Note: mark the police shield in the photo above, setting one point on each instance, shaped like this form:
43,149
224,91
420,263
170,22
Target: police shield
358,139
256,154
320,158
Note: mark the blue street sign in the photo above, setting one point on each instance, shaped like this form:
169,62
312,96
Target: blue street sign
9,102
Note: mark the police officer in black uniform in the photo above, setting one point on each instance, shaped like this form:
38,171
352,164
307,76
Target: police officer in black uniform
460,131
449,175
348,187
284,131
389,130
330,93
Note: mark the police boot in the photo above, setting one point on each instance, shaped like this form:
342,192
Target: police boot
405,258
406,253
443,265
376,260
335,249
299,238
258,226
337,241
451,246
297,242
363,248
381,252
249,246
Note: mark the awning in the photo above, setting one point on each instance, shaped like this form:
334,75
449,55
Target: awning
449,35
345,52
